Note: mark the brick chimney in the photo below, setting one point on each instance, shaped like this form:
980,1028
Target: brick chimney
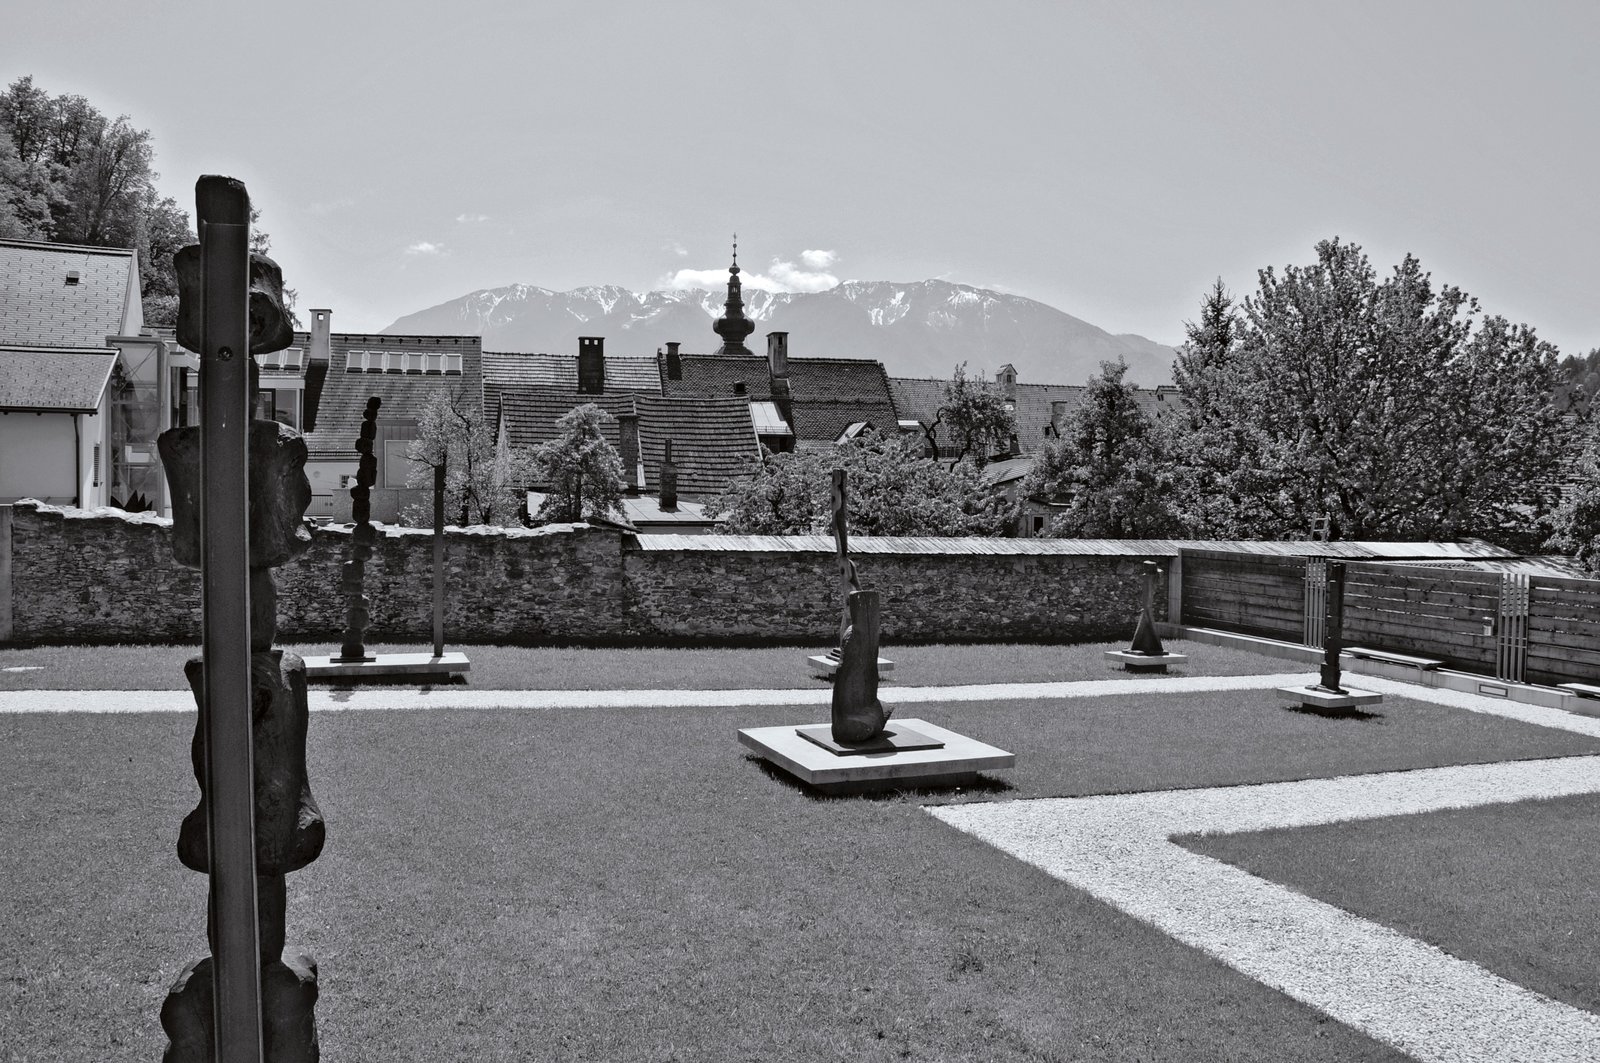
632,465
591,365
669,481
674,365
778,364
321,330
778,355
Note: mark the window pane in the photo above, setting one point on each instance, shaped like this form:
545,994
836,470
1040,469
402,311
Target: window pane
435,363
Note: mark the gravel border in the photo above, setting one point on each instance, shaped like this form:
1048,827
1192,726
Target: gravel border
1394,988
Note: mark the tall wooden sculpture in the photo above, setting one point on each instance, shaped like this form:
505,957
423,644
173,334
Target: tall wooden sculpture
239,493
1329,692
362,536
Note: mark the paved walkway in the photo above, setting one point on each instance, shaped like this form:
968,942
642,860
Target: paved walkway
327,699
1394,988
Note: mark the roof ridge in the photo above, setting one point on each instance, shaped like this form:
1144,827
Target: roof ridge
76,248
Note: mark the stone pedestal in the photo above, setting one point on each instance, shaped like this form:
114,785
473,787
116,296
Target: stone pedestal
1315,697
1145,662
955,761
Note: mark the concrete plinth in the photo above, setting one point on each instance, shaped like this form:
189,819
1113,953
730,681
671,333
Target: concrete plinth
956,762
1145,662
388,664
822,664
1317,698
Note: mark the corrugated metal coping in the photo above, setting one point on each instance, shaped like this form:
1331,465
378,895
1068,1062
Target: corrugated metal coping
869,544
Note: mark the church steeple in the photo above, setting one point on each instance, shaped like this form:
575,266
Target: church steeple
733,326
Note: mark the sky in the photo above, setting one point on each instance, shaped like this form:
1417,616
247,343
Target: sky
1110,159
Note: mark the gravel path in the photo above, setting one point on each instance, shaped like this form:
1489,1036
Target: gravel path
327,699
1396,989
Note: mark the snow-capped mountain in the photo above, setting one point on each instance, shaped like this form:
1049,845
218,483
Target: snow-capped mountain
923,328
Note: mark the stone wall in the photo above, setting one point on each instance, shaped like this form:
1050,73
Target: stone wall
104,576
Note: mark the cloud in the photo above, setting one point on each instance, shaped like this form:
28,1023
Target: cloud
468,219
423,247
781,276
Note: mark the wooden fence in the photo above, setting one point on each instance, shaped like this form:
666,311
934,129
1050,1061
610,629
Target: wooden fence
1248,593
1513,626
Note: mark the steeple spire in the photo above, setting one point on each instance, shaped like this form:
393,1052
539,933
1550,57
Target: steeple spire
733,326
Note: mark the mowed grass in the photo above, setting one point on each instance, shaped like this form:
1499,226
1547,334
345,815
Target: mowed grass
523,668
1510,887
625,885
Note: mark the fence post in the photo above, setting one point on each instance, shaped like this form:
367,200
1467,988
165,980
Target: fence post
8,628
1315,600
1511,628
1175,589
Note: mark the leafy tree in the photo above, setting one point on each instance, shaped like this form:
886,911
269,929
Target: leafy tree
1577,382
483,485
581,472
976,415
894,489
1575,524
1388,406
1107,466
71,175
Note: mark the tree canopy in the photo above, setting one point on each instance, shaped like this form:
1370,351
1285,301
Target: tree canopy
1389,406
483,484
894,488
71,175
581,472
976,416
1108,467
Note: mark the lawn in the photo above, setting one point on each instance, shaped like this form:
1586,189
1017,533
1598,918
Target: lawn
522,668
1509,887
618,885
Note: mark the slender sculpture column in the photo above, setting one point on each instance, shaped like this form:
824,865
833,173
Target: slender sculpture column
239,495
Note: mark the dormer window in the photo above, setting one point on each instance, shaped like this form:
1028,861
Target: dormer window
72,278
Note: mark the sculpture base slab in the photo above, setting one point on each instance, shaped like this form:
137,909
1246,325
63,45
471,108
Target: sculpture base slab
1317,698
824,665
1145,662
385,664
895,737
956,763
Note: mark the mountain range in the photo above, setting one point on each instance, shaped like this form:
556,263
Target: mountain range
918,329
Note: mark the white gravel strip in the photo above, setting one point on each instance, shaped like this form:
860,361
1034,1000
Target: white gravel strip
1396,989
325,699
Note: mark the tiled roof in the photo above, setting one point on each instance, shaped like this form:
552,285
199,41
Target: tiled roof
713,442
623,374
531,413
344,395
54,379
829,394
38,308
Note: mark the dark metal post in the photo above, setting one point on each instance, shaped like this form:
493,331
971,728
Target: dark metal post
1333,628
223,210
438,559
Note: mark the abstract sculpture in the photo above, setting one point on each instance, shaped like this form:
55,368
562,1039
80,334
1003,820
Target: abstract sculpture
827,664
239,493
1329,692
361,540
858,716
1145,653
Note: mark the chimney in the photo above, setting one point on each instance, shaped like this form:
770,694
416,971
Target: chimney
669,481
778,354
321,329
674,366
591,365
632,466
